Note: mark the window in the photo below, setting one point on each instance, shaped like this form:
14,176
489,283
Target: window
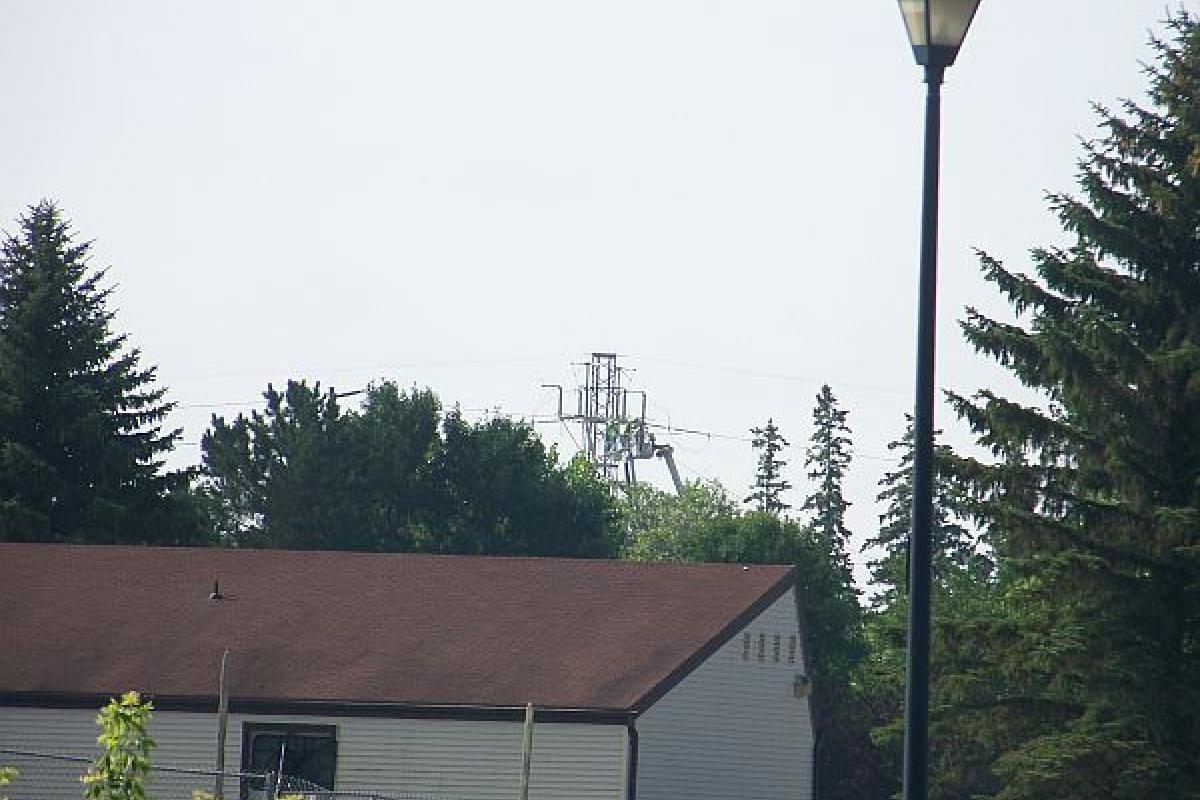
775,648
746,646
762,647
306,753
791,649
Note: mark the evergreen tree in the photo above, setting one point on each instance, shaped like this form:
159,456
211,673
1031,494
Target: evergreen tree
1091,685
769,484
954,547
81,438
845,758
961,583
827,458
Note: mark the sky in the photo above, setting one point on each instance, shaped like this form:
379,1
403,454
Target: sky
474,196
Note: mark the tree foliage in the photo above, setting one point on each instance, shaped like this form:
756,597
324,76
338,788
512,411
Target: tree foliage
7,776
704,524
769,483
1087,683
81,437
962,588
827,459
397,475
123,766
845,760
501,492
699,524
954,545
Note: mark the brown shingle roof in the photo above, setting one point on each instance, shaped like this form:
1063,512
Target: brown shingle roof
363,628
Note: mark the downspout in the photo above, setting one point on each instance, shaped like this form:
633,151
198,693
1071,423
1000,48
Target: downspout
631,775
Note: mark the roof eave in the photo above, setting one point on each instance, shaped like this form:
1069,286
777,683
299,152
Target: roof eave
325,708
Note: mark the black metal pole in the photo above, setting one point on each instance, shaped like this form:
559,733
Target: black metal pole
916,705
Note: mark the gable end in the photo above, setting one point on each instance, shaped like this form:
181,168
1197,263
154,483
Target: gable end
692,662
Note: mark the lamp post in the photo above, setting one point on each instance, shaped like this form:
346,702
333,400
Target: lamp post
936,29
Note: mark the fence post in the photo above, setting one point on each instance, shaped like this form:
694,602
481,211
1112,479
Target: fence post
222,724
526,751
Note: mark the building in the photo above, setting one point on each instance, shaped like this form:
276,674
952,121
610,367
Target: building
409,674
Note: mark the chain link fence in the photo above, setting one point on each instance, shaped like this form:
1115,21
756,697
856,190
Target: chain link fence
56,776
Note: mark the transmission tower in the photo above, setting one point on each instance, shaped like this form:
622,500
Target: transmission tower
613,440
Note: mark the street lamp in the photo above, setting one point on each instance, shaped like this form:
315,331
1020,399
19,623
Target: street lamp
936,29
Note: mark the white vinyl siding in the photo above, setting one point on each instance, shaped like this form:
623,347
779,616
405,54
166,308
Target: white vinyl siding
733,729
460,760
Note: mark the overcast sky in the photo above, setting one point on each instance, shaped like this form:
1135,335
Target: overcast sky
472,196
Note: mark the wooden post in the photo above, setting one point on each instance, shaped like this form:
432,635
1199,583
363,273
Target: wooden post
222,724
526,751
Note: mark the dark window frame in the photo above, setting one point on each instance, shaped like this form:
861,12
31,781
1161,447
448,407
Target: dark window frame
252,728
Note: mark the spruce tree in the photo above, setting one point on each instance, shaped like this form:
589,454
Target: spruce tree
827,459
953,543
961,582
1091,687
769,484
845,763
81,437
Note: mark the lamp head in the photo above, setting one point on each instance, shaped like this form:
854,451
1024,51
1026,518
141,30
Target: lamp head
936,28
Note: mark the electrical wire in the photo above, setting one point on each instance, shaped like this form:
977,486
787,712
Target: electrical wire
537,418
393,367
769,374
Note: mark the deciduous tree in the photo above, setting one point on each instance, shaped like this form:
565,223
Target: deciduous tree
122,769
502,492
397,475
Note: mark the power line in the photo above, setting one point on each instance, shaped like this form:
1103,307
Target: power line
771,374
382,368
694,432
535,418
218,404
548,419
